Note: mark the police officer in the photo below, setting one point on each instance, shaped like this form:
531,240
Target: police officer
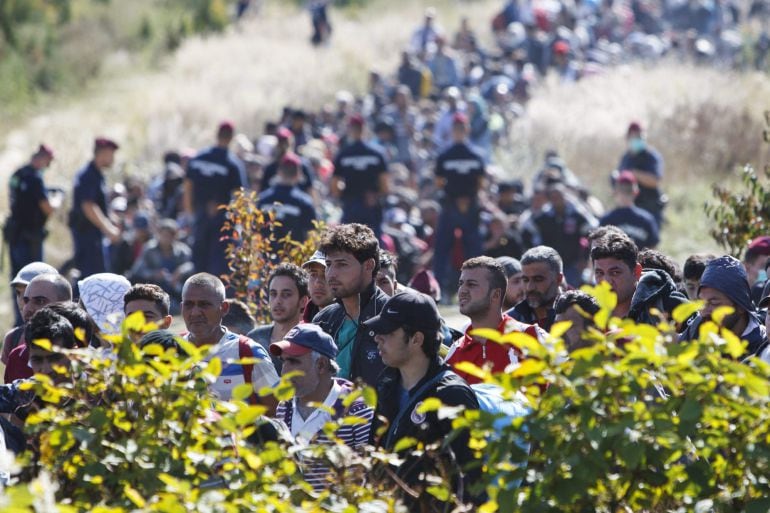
212,176
285,143
293,208
459,172
31,206
360,179
89,218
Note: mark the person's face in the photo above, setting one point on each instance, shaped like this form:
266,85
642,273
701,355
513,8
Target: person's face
691,286
556,198
473,294
316,284
151,312
18,291
42,361
310,379
618,275
202,311
753,268
36,296
714,299
541,284
516,291
166,237
284,300
573,336
394,348
105,157
386,281
345,275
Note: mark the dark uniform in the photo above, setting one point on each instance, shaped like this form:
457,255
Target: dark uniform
360,166
462,167
293,209
565,232
271,170
637,223
90,252
215,173
647,161
25,227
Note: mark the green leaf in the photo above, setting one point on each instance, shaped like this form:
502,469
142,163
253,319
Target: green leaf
473,370
242,391
405,443
249,414
439,492
132,495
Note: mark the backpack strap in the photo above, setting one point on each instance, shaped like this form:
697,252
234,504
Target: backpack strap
244,351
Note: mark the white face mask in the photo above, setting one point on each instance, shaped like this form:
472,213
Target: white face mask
762,275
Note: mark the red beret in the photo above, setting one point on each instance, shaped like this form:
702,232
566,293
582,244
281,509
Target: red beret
104,142
284,133
459,118
356,120
760,245
626,176
291,159
44,149
561,47
634,126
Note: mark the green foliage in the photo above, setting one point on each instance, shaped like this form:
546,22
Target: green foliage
254,251
742,215
137,430
636,422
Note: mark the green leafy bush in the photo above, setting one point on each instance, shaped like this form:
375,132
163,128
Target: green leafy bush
636,422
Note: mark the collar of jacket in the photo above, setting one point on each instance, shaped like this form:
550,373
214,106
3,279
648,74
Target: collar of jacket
364,298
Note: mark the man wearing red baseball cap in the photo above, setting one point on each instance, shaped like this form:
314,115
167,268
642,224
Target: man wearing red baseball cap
212,177
285,145
31,205
89,218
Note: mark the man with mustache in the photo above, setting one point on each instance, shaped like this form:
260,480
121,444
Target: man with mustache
541,267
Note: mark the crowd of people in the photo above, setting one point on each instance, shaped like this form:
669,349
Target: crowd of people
404,176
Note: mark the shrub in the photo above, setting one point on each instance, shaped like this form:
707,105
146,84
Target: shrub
254,251
636,422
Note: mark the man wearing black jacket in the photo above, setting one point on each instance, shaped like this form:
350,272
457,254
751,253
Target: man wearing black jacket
352,261
408,341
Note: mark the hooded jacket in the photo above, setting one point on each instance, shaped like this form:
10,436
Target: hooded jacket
365,361
656,290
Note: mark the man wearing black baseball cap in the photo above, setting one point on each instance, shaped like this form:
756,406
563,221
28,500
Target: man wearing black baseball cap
407,336
309,351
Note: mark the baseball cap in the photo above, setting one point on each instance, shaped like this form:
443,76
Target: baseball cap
304,338
226,126
29,271
760,245
104,142
412,309
317,258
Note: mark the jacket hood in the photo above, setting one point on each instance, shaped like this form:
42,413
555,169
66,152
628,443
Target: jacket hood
653,283
727,275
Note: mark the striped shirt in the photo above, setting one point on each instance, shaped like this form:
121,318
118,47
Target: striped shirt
309,432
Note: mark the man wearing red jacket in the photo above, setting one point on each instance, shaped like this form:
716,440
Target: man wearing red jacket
480,296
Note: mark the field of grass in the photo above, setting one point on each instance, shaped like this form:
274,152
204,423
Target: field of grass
703,121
